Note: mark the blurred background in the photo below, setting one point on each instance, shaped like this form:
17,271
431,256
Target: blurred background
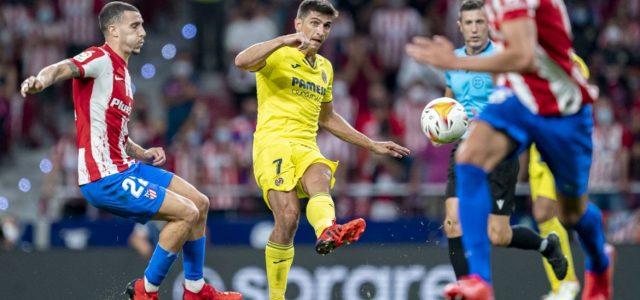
192,101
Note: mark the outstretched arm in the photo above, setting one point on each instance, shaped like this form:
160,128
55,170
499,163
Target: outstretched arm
334,123
254,58
520,37
51,74
155,156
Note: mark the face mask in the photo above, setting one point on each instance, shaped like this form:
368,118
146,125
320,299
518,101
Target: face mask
604,116
182,68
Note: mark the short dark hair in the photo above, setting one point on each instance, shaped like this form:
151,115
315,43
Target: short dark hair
468,5
112,12
322,6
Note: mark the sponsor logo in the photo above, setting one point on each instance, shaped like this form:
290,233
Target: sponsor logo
339,282
295,66
119,104
118,78
83,56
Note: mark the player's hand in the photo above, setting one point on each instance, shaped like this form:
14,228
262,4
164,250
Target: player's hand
297,39
389,148
437,51
155,156
31,85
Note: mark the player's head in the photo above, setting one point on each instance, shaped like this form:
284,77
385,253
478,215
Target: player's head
122,23
314,20
473,25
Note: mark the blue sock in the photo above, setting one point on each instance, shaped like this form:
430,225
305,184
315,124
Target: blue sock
159,265
193,258
472,188
590,230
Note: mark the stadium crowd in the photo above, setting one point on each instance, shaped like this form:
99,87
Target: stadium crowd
208,135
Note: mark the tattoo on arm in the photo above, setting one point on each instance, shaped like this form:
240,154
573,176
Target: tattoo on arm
75,72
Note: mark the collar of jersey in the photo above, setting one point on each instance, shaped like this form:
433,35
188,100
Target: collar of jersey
307,62
489,46
114,54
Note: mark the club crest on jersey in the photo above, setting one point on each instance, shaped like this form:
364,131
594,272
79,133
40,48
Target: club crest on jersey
83,56
119,104
151,194
324,76
279,181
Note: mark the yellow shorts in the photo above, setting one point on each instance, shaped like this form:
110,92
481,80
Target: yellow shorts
279,166
541,179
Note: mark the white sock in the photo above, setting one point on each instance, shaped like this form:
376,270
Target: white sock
150,287
194,285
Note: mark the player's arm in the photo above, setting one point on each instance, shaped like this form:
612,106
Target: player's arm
520,37
154,156
48,76
336,124
255,57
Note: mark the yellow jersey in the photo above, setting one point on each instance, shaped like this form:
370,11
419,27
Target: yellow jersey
290,95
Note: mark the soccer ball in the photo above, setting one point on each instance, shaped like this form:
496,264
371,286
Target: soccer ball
444,120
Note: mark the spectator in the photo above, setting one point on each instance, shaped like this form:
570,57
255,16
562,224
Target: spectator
392,27
180,93
609,179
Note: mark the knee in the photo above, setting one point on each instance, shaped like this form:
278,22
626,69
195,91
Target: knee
319,182
452,228
572,212
288,220
202,203
499,236
543,210
471,154
191,215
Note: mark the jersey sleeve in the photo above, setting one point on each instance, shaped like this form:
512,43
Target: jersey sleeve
447,78
91,62
328,96
515,9
273,60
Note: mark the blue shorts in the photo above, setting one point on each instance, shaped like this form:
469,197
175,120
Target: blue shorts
136,193
564,142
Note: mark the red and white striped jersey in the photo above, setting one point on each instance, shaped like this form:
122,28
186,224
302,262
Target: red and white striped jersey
103,101
557,87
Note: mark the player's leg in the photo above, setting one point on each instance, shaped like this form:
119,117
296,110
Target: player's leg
545,212
316,183
279,251
503,180
193,250
451,225
570,166
476,157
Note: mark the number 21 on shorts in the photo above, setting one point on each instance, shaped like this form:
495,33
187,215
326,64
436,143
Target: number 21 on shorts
136,189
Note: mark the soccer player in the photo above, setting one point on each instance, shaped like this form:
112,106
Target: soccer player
472,90
118,175
543,98
294,86
545,207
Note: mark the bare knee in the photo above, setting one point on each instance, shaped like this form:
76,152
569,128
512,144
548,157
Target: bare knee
191,215
499,235
571,210
287,221
202,203
544,209
452,228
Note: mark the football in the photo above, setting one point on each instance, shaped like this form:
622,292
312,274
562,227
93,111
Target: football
444,120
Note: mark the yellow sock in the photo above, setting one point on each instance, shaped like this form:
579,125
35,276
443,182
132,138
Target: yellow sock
320,212
278,259
554,225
